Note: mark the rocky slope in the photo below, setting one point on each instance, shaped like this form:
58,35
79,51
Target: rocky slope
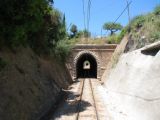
29,85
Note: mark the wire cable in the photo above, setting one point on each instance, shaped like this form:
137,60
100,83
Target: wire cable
84,15
122,13
88,14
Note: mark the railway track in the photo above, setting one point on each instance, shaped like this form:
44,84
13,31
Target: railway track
87,94
84,102
95,106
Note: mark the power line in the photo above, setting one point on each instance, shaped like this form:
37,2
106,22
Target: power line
123,11
88,14
84,19
128,4
128,11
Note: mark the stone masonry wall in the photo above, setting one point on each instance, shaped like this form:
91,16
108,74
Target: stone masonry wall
102,54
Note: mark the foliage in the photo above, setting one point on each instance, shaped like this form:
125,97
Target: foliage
21,19
73,30
33,23
56,29
112,27
113,39
145,29
116,38
123,32
85,33
63,33
62,50
155,36
97,41
79,34
157,10
138,21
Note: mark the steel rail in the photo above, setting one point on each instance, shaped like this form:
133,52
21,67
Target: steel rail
94,101
79,103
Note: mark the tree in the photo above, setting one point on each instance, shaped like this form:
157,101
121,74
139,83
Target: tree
112,27
74,30
56,28
157,10
63,27
33,23
23,21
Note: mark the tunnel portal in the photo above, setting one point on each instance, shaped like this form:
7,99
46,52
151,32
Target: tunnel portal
86,66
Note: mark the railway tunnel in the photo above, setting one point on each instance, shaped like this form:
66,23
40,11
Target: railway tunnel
97,56
86,66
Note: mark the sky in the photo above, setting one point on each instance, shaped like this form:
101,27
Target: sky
101,11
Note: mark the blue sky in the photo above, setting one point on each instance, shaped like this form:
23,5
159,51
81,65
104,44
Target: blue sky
102,11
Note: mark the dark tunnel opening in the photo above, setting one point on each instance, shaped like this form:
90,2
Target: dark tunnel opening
89,71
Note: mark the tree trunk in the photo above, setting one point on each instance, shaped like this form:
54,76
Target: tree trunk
112,32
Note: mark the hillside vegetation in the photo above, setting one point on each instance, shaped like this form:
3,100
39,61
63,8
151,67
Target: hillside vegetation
144,29
35,24
32,50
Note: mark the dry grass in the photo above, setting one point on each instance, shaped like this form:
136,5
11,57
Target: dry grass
97,41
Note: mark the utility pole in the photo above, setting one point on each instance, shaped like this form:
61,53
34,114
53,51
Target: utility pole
101,32
129,19
128,11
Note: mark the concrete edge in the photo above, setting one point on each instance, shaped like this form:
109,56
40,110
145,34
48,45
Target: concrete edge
151,47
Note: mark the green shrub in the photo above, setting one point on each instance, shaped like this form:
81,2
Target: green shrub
72,41
137,22
113,39
122,34
150,17
116,38
62,50
157,10
22,22
157,24
155,36
33,23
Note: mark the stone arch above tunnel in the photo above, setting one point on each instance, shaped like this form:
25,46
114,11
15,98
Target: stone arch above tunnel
91,54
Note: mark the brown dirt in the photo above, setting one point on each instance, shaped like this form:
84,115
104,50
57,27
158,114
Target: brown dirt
29,84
